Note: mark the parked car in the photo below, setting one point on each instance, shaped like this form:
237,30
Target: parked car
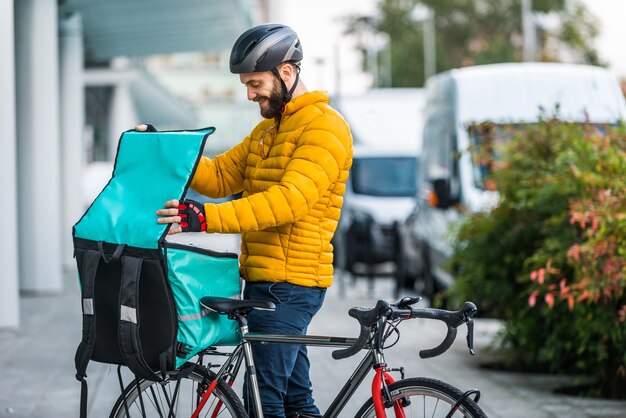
380,195
451,183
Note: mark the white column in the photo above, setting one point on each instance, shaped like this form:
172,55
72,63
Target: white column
9,297
39,191
122,115
430,47
122,111
529,32
426,16
72,126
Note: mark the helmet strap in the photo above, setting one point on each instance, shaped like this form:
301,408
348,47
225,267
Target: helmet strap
287,94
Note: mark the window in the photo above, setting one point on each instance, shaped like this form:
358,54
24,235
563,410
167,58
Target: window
384,176
487,141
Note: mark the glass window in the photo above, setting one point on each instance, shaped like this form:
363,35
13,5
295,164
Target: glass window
384,176
438,147
487,144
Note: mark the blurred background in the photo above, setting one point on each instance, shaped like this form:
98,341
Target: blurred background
77,73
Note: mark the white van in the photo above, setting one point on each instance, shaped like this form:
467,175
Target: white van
386,125
380,193
450,183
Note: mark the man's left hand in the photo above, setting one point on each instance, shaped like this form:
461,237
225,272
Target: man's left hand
169,215
189,215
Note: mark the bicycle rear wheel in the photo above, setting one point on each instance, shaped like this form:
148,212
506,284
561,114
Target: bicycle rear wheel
178,397
422,397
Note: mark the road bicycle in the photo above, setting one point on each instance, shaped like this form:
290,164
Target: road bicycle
196,390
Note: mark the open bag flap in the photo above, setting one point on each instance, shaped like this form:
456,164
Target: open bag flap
150,169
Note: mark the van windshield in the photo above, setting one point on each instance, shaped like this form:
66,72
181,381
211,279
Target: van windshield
487,141
384,176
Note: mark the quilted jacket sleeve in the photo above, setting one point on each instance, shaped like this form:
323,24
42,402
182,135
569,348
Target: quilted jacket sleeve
321,152
223,175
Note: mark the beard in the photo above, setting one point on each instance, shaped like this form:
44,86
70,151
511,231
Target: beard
275,101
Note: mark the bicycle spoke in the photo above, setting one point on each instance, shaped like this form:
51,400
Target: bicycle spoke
155,402
209,407
426,398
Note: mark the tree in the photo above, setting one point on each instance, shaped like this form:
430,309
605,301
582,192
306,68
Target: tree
470,32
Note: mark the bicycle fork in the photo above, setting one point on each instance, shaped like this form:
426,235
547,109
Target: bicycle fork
380,388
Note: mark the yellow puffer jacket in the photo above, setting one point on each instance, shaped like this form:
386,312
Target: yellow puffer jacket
293,180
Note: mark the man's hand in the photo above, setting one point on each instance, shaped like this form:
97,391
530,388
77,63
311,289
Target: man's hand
145,128
189,215
170,215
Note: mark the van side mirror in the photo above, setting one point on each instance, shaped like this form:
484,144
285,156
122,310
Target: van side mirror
441,195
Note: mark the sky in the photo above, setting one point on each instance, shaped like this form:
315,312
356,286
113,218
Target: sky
320,25
326,49
611,42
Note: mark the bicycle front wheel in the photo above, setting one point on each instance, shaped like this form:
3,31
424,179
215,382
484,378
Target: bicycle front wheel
422,397
178,397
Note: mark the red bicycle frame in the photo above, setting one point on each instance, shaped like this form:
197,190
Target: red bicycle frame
377,394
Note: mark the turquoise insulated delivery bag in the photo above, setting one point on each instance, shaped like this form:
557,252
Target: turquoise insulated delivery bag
140,293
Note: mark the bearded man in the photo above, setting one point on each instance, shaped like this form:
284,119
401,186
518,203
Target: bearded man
291,171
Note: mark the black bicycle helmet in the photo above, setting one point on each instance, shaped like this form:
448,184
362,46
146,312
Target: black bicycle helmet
263,48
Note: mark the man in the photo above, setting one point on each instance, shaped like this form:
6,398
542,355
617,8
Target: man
292,171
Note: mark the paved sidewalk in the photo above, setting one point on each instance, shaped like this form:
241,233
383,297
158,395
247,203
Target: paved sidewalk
38,371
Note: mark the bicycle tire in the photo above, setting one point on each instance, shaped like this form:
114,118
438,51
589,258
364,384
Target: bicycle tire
156,397
426,398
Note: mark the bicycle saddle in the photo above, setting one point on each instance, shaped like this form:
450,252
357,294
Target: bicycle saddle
226,305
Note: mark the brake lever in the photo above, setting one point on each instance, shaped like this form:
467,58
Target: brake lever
407,301
470,335
468,313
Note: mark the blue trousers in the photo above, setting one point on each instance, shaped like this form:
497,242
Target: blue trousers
282,369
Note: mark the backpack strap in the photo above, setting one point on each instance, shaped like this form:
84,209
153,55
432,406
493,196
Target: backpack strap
84,351
88,278
129,342
85,348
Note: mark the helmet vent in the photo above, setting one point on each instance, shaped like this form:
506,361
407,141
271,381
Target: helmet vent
250,47
261,58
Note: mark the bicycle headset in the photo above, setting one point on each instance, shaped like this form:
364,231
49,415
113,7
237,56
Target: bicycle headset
265,47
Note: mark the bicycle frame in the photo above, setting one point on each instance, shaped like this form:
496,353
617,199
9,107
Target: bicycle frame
377,324
373,359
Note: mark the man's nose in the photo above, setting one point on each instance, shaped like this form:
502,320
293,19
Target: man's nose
251,94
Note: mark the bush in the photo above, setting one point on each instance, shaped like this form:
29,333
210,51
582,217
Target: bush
550,258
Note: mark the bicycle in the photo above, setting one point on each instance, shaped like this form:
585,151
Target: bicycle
196,390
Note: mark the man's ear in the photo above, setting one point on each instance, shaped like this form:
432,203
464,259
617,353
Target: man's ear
285,71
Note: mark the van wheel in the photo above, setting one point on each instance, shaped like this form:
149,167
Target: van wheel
404,281
349,254
427,275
